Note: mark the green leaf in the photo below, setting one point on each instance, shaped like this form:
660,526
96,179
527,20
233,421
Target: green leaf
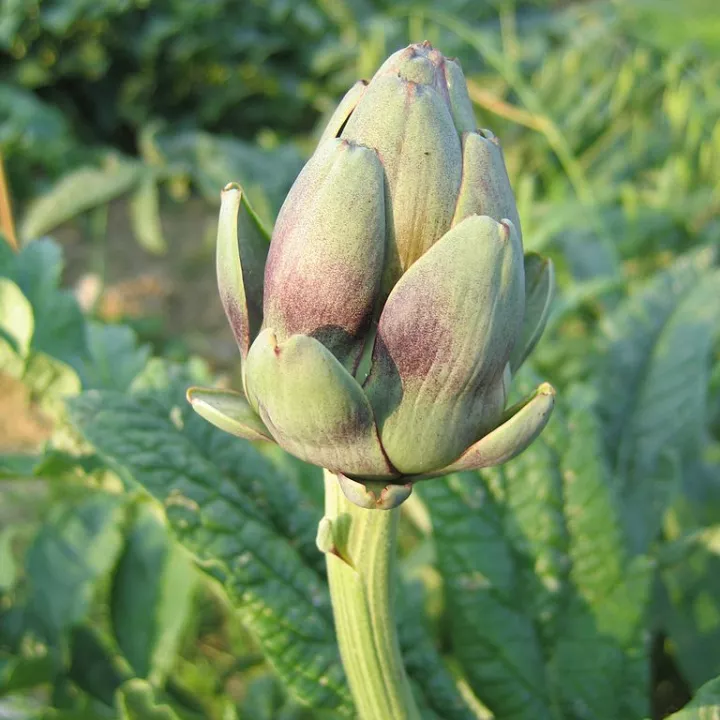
263,699
240,538
8,569
690,613
290,514
704,706
136,701
434,687
605,613
492,636
666,24
16,317
14,466
59,322
13,626
115,358
653,389
145,216
21,672
57,464
77,544
51,382
94,665
689,595
77,192
631,334
151,595
530,490
546,608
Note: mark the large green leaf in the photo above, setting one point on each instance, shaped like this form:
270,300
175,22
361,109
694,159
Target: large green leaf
51,382
689,606
435,689
136,701
653,387
151,594
704,706
265,699
16,318
59,324
8,567
291,514
228,516
95,666
492,635
689,595
599,661
115,358
546,607
76,545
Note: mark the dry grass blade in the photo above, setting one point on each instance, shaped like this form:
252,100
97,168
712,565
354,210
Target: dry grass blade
491,102
7,225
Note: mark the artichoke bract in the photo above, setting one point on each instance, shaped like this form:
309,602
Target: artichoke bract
381,326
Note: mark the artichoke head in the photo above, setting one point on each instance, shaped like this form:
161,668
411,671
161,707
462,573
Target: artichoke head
381,326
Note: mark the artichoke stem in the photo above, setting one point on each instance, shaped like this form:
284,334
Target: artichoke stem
360,547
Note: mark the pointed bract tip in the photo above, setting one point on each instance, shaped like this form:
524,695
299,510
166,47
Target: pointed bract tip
488,135
546,389
232,187
506,229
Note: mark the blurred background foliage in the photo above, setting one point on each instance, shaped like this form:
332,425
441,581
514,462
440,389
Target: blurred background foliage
121,120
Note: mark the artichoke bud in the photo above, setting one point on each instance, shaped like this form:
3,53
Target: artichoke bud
400,244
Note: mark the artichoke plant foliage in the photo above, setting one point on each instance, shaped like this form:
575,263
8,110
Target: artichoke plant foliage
381,324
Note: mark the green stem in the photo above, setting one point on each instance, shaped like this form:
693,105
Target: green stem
360,547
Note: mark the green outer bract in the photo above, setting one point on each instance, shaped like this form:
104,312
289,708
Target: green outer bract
342,112
229,411
242,247
438,362
313,407
396,302
525,421
539,287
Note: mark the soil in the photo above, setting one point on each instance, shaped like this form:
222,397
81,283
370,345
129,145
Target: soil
178,289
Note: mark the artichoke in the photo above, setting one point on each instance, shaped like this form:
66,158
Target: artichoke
381,326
